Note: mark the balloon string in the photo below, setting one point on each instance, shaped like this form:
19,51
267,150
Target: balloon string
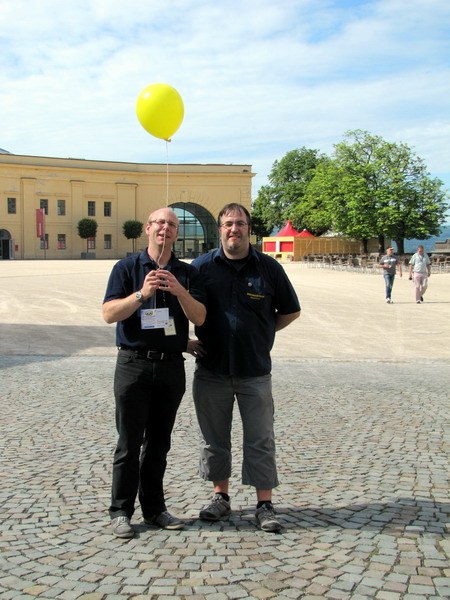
167,173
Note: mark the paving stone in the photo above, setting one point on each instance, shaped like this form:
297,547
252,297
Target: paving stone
356,453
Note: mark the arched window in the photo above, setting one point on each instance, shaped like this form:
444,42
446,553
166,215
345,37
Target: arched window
198,230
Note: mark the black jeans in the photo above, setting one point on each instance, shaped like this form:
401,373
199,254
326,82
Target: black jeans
148,394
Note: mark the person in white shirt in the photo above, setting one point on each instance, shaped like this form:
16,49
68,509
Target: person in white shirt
419,272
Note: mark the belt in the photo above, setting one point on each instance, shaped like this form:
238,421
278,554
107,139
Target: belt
152,354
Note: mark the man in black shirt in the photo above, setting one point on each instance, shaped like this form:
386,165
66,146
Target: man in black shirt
248,299
151,296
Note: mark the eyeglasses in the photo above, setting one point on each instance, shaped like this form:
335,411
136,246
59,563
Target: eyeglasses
162,222
229,224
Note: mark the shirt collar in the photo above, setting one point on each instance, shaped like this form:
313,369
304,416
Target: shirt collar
219,254
145,259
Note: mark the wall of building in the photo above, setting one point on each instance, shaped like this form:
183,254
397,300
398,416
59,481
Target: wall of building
133,190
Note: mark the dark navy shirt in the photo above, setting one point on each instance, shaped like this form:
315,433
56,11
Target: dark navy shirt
242,301
127,276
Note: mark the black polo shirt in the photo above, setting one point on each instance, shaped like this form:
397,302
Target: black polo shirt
242,300
127,276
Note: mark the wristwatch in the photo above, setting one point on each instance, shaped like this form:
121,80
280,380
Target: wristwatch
140,297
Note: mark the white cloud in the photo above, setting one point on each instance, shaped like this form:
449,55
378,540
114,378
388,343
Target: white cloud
257,78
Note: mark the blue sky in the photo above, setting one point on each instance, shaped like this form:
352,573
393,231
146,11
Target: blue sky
258,78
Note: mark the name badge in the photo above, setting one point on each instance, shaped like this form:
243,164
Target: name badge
154,318
170,329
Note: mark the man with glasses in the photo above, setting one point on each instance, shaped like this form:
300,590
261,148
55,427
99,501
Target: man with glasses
151,296
248,299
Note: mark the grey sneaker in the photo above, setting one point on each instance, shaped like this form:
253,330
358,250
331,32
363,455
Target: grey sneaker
121,527
216,510
164,520
266,518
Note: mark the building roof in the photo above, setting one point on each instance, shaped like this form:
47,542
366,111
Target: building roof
287,231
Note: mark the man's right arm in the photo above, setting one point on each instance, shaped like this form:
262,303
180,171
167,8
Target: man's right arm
283,321
120,309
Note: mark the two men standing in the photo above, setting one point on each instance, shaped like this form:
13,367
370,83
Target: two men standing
248,298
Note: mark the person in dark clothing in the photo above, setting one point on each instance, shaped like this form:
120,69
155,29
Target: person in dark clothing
248,299
151,296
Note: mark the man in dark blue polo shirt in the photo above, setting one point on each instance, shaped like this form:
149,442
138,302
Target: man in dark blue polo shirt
248,299
150,296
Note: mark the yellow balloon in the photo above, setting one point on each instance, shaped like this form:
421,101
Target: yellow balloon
160,110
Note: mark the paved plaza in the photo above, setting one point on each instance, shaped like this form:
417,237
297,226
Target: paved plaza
362,423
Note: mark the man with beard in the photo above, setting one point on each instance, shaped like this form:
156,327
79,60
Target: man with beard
248,298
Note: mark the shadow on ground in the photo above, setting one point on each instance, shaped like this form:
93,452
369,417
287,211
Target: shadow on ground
422,516
35,343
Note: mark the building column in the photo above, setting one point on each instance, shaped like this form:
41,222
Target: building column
29,243
126,211
76,244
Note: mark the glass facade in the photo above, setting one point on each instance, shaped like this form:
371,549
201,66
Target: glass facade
197,233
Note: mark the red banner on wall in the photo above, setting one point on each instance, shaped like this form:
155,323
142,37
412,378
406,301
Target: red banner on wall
40,222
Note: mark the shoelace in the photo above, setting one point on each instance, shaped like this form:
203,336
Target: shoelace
266,511
121,520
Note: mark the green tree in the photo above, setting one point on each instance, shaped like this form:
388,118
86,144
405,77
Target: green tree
312,211
288,181
374,188
87,228
132,230
343,201
264,212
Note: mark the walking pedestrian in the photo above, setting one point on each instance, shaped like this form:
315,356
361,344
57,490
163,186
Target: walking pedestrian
419,272
390,264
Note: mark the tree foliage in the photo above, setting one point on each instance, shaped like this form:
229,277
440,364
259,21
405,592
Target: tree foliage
132,230
386,190
87,228
368,188
281,199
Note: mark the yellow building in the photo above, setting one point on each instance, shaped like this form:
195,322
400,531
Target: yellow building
69,190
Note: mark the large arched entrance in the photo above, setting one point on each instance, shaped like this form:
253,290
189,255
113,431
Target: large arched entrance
198,230
6,250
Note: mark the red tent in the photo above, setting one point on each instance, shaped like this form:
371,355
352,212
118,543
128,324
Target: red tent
304,233
288,231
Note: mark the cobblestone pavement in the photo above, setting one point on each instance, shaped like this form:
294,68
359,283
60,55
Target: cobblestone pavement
362,427
364,498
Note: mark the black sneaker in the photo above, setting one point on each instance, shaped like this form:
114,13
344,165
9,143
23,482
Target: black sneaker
216,510
164,520
121,527
265,516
